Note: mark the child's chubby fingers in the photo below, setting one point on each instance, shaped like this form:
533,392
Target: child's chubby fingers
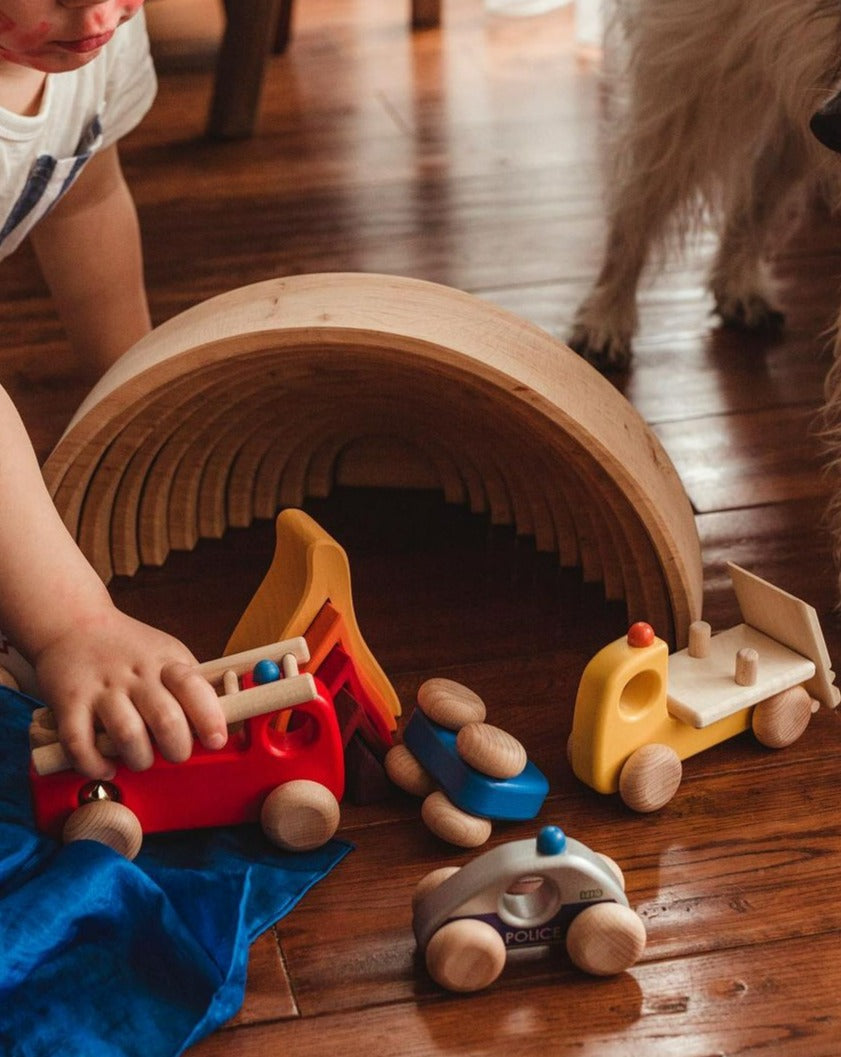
76,734
198,699
165,720
127,730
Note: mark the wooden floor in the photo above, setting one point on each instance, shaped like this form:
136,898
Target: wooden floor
469,156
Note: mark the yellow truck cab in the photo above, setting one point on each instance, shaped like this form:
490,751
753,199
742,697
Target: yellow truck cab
640,711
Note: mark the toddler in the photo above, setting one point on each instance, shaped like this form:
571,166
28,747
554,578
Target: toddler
76,75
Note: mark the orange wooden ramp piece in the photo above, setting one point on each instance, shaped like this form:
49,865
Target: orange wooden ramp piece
308,588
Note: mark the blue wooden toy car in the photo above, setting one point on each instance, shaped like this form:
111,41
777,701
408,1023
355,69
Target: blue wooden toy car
510,799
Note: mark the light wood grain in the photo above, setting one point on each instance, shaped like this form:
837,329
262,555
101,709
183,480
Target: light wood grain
491,750
414,349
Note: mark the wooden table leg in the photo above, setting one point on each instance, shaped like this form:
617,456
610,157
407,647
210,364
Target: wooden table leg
249,34
254,27
426,13
284,22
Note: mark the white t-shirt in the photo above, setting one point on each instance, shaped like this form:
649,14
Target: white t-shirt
82,111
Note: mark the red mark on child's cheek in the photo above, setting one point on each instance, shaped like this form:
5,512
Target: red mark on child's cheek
34,37
6,24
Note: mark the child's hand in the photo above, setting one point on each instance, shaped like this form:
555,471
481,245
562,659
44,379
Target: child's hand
94,665
137,683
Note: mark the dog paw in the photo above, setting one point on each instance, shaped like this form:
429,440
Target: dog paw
606,352
753,313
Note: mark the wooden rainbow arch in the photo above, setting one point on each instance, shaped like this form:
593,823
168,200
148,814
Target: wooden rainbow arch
274,392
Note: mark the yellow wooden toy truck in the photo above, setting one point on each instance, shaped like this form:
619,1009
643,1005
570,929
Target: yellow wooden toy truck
639,711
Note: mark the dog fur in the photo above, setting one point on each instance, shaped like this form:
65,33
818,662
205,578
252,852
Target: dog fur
712,122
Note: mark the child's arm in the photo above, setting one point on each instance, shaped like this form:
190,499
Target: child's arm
93,663
89,250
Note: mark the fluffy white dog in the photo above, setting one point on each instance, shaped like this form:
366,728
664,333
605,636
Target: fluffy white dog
713,119
725,111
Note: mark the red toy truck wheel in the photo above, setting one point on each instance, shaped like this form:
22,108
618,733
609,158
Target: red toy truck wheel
300,815
108,822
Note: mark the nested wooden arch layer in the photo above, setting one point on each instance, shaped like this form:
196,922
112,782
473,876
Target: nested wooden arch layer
274,392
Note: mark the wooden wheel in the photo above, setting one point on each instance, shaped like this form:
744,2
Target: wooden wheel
107,822
429,882
780,720
614,868
407,773
450,704
465,955
650,777
300,815
453,825
606,938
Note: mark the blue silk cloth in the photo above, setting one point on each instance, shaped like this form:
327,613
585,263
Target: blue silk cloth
101,957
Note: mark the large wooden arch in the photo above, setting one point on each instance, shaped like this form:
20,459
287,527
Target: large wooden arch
274,392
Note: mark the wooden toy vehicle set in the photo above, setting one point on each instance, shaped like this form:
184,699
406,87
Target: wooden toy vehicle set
302,707
546,892
312,708
639,712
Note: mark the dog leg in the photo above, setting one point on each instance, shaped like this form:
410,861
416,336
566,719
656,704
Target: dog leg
606,321
763,207
654,181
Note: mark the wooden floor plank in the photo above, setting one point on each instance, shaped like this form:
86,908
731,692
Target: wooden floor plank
729,1002
748,459
752,890
268,994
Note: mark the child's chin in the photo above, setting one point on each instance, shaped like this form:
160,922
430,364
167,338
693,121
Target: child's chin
61,62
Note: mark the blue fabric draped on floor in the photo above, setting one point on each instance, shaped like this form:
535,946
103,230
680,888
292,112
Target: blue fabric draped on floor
100,957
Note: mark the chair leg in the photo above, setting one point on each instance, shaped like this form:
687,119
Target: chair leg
426,13
250,29
284,24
